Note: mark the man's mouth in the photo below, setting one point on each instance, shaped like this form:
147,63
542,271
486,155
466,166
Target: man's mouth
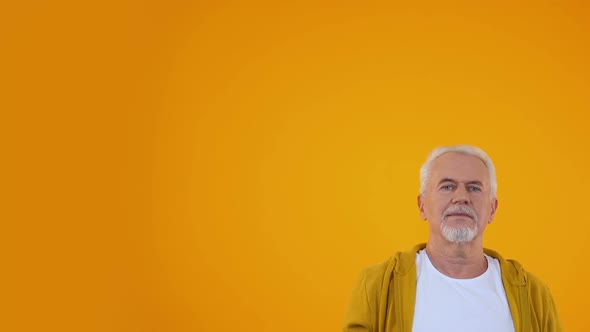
459,215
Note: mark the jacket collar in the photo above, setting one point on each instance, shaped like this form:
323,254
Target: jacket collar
512,271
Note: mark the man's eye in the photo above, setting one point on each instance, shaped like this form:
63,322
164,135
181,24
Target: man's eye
474,188
447,187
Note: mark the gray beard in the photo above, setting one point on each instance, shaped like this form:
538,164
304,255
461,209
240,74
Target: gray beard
458,234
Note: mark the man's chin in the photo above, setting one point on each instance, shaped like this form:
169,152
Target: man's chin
458,234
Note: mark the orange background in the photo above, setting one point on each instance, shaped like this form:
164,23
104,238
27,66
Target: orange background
230,166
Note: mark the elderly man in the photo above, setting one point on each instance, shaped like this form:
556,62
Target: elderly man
452,283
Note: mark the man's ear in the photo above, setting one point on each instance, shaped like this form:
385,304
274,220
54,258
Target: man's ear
421,207
494,208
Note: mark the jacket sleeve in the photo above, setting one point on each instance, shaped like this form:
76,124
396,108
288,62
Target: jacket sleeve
552,323
358,315
544,307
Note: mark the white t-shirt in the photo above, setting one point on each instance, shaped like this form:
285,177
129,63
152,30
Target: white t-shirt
457,305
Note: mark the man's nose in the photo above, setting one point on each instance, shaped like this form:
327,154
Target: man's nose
461,196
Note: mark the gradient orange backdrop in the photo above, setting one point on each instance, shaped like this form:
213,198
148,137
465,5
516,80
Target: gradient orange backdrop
229,166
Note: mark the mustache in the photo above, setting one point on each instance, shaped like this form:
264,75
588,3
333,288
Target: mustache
459,209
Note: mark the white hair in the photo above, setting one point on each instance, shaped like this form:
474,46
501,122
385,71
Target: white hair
471,150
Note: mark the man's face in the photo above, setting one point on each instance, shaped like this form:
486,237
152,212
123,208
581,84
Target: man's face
458,203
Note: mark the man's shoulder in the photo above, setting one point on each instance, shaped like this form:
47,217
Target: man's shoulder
374,275
538,294
537,288
400,262
517,274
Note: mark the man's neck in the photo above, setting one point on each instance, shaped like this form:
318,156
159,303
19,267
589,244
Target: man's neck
458,261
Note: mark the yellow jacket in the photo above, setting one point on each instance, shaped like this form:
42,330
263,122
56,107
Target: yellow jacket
384,297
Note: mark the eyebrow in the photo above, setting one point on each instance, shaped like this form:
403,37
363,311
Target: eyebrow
455,181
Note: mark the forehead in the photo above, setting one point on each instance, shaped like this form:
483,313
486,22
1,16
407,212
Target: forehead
460,167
